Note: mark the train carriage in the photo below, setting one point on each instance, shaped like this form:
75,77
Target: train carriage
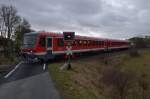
48,45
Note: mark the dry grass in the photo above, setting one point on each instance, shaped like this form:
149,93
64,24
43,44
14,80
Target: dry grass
83,82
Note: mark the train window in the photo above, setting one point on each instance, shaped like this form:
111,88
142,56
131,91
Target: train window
49,42
97,42
60,42
29,40
42,41
94,43
85,42
91,43
77,42
80,42
101,42
73,43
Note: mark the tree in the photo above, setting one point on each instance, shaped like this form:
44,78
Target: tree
147,40
139,42
1,27
12,25
9,20
20,30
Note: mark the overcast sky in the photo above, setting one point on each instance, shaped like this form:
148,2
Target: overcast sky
104,18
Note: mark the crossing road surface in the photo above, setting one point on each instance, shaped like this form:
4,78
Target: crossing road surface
28,81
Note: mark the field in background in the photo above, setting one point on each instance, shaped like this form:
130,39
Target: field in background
117,75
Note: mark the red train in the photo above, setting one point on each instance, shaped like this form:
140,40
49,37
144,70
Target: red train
48,45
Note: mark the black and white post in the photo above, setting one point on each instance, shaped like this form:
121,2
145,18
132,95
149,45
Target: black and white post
69,37
69,55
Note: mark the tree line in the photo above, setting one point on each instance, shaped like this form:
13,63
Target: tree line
12,29
141,42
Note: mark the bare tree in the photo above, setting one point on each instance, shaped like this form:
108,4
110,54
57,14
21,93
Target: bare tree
20,30
9,18
1,27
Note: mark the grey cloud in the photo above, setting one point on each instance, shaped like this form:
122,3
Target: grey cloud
106,18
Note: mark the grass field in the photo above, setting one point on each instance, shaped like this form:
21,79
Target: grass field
84,81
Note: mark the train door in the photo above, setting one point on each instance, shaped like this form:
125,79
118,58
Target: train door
49,48
42,45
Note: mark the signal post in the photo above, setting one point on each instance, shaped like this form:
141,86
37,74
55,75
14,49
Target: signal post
69,37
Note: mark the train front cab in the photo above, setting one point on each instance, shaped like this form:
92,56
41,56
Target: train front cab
41,49
44,48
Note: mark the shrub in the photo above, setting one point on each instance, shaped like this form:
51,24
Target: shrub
134,53
144,85
117,82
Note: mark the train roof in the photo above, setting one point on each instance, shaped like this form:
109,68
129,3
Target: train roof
60,35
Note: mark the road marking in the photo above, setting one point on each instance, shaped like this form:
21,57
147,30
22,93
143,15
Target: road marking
44,66
6,76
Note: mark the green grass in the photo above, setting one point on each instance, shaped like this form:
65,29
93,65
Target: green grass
83,83
139,65
64,83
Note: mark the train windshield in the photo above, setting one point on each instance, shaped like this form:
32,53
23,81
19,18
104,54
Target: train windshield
29,40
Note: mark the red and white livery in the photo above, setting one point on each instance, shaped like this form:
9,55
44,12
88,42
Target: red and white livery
48,45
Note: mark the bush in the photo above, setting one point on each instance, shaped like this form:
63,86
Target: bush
4,60
144,85
117,82
134,53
